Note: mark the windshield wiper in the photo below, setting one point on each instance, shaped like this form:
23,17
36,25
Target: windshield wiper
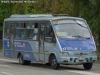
79,36
88,37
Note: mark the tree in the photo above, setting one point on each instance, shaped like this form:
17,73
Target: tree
5,11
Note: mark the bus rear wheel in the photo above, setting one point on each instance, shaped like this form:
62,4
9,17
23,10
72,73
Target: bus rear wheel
53,62
22,61
87,66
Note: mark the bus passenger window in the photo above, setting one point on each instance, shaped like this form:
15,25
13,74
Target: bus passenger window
30,28
20,31
29,33
30,25
35,33
36,25
7,33
23,35
23,25
32,31
6,30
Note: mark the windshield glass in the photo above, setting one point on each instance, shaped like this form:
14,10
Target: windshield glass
75,29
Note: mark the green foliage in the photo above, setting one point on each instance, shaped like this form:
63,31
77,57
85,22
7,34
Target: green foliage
5,12
93,2
19,8
87,9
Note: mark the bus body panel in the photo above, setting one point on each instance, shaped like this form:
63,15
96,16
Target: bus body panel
76,49
67,60
51,48
27,49
7,51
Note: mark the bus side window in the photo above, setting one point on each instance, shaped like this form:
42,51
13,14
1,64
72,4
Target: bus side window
32,31
29,30
35,32
6,31
20,31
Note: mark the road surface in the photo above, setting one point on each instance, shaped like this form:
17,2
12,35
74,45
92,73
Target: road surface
9,66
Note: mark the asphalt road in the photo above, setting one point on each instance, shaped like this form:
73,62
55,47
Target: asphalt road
9,66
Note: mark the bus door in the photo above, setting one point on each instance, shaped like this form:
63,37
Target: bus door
41,41
11,39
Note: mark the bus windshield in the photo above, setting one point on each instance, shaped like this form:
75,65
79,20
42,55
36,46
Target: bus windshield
72,30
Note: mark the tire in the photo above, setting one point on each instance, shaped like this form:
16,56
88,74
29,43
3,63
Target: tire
53,62
23,62
87,66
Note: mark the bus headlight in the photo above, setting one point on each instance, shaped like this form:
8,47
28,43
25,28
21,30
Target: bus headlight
64,53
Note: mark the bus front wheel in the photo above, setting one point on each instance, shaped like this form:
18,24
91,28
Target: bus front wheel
87,66
53,62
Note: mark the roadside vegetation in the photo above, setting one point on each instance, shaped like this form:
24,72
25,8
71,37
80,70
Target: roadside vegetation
87,9
0,50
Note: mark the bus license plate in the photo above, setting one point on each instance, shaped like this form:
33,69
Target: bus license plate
81,58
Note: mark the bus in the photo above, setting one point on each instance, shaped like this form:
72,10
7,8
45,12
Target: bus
50,39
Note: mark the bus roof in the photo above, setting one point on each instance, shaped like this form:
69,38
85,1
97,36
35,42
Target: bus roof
30,16
37,17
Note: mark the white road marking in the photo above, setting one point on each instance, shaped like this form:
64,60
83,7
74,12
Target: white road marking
5,66
7,73
8,60
84,72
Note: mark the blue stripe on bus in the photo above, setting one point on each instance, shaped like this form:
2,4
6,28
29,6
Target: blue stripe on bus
19,46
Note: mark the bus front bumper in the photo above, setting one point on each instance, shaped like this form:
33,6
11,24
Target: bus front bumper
77,60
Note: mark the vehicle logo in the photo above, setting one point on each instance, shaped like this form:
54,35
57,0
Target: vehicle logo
76,48
81,53
23,45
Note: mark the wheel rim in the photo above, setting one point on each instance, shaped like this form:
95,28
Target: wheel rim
54,62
